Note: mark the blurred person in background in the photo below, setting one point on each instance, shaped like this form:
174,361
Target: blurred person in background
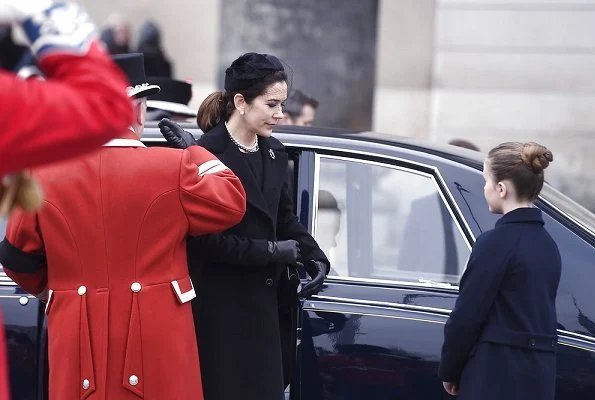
156,62
116,35
82,104
171,102
300,109
246,306
108,251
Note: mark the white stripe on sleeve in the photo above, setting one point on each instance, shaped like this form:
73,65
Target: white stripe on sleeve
211,167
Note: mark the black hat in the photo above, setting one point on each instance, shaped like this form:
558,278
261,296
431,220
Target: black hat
173,97
133,65
248,68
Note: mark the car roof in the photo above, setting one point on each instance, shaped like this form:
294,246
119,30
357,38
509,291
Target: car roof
334,135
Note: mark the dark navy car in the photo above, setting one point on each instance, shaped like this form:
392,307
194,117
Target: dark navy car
397,218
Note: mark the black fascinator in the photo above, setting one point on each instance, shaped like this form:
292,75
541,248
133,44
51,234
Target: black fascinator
248,68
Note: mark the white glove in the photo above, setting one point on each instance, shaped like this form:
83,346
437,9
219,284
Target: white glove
63,28
19,10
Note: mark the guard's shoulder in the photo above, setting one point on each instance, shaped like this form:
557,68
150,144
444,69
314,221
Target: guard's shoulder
165,152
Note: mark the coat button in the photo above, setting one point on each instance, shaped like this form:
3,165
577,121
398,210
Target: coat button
532,342
269,282
86,384
82,290
136,287
133,380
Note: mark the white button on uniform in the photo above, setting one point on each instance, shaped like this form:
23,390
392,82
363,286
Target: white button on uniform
86,384
23,300
135,287
133,380
82,290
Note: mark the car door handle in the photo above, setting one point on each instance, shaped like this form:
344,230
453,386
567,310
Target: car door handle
432,283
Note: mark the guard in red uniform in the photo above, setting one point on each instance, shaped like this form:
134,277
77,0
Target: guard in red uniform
108,250
49,121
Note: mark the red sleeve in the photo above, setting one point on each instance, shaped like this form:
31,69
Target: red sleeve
212,196
22,253
82,105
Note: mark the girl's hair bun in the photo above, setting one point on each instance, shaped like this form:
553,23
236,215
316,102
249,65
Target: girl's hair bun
536,156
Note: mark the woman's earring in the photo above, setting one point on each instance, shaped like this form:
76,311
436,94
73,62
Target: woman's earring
242,112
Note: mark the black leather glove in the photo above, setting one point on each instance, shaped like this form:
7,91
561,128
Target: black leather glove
284,251
175,135
317,271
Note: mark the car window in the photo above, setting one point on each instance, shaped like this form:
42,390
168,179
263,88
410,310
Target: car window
378,221
571,208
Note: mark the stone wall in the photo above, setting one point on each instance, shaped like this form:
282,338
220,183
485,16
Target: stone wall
329,45
485,70
504,70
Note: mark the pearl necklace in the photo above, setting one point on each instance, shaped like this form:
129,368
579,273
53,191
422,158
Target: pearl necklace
246,149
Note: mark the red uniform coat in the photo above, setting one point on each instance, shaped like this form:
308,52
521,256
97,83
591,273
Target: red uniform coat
112,233
77,110
82,105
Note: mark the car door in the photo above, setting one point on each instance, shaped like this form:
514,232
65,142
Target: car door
375,330
22,318
397,252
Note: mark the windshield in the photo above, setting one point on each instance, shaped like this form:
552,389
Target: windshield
579,214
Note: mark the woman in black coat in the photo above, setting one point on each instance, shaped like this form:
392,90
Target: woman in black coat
500,339
246,293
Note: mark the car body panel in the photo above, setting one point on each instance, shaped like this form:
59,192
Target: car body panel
363,337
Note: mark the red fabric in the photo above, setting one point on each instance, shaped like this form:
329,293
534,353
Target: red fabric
82,105
112,218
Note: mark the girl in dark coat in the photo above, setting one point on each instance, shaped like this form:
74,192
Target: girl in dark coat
246,293
500,339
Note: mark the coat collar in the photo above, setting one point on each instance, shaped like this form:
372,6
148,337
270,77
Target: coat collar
525,214
128,139
275,159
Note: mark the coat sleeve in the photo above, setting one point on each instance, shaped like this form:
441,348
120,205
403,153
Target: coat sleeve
478,289
233,249
22,253
212,197
289,227
82,105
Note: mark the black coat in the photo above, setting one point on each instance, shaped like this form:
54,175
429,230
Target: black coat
500,340
240,325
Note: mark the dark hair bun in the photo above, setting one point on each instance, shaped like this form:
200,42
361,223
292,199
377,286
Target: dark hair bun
536,156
